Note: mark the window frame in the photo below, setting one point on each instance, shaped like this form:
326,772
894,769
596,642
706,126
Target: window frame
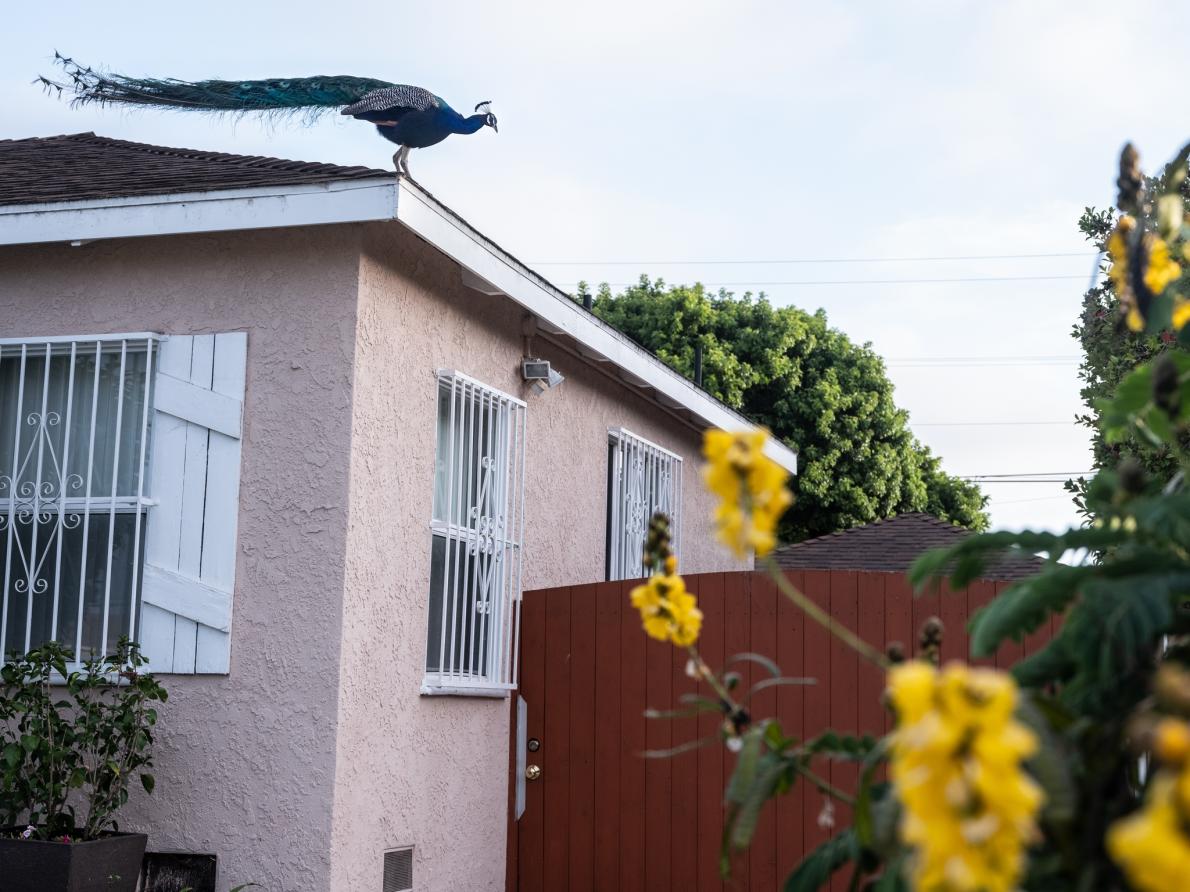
624,446
502,420
72,511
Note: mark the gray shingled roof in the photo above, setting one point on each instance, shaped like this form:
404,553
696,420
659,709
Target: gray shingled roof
893,545
83,166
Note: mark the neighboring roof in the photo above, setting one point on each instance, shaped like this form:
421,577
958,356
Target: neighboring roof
82,187
86,167
893,545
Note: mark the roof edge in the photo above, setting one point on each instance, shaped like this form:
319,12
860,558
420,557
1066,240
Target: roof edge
420,212
265,207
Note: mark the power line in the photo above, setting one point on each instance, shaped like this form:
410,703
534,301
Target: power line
771,261
951,281
979,358
985,423
1038,499
1026,474
1053,482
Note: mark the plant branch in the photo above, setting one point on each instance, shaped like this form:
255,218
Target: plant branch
823,785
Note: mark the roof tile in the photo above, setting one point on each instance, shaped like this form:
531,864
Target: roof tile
83,166
893,545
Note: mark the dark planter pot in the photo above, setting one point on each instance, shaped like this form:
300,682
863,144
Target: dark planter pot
108,864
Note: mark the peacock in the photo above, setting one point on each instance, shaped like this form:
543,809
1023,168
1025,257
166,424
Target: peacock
411,117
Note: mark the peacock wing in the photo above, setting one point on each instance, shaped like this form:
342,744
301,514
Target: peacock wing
393,102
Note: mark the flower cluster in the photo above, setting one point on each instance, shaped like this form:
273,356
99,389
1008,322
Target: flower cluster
751,489
1152,846
968,806
1157,270
668,612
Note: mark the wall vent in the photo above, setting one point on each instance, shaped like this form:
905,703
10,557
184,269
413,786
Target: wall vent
398,870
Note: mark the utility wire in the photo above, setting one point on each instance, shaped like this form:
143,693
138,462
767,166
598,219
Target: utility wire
1026,474
807,260
952,281
986,423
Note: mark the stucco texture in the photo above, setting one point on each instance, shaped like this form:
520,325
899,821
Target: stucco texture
432,772
317,753
245,762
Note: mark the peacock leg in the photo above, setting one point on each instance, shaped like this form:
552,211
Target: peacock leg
405,160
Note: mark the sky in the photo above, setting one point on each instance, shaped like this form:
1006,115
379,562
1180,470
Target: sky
706,141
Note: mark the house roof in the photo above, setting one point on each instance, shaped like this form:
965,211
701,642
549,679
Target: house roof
893,545
83,166
82,187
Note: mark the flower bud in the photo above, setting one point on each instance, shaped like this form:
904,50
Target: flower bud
1169,215
1166,392
1171,741
1131,181
1132,476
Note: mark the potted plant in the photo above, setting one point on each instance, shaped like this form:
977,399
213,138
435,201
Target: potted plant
71,740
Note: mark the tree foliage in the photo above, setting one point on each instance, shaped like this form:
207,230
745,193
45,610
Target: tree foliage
814,389
1111,350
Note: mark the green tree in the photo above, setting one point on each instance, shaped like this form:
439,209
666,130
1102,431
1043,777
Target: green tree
813,388
1111,351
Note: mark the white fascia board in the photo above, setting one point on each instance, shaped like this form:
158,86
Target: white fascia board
347,201
423,215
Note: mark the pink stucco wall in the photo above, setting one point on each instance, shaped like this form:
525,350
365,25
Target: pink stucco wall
432,772
318,753
245,763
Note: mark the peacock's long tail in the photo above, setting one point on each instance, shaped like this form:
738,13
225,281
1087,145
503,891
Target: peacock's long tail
274,95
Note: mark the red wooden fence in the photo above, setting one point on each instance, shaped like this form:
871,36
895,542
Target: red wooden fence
600,817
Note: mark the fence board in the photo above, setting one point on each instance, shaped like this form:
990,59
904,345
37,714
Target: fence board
556,739
601,817
581,827
632,744
790,650
736,640
710,758
608,626
762,855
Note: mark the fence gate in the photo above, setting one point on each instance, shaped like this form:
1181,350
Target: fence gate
598,816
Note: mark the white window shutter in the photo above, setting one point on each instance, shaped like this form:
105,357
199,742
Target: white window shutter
190,544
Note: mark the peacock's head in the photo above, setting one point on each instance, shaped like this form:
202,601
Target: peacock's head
485,108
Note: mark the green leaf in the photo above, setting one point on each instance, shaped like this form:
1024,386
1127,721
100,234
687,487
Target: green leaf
864,820
816,868
743,823
148,782
844,747
892,879
13,755
1050,765
1023,607
746,766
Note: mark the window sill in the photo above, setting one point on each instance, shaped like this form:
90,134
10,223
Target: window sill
490,692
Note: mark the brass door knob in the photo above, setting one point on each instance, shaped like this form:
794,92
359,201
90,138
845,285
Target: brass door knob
533,772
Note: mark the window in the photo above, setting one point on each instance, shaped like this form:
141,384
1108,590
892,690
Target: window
74,437
642,479
476,532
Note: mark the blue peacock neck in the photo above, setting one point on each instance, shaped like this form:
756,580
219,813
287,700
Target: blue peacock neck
470,124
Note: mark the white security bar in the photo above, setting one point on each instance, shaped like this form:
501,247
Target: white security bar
643,479
74,433
476,538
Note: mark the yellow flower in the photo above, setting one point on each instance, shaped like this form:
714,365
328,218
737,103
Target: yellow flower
1161,269
968,807
1117,248
751,489
1151,846
1181,313
668,612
